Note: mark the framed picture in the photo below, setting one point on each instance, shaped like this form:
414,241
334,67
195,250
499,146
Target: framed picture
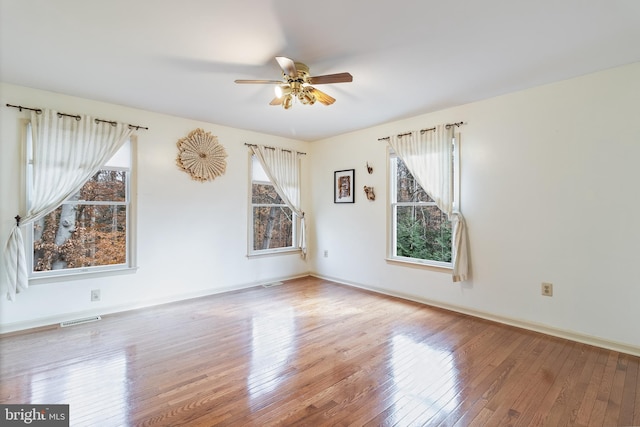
343,186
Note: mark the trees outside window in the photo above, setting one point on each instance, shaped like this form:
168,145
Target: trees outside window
272,221
90,230
420,230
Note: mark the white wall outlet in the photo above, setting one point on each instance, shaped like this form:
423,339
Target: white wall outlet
326,253
95,295
547,289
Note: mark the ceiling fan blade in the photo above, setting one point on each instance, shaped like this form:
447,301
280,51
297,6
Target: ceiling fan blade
322,97
331,78
288,66
276,101
259,81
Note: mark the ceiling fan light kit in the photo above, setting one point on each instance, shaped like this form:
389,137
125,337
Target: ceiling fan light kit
297,84
282,90
287,102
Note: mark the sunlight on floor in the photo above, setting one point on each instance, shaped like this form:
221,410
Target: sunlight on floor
87,386
425,378
272,345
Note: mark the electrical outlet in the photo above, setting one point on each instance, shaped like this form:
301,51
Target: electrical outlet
326,253
95,295
547,289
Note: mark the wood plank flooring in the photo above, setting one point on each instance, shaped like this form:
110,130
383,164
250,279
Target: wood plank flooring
315,353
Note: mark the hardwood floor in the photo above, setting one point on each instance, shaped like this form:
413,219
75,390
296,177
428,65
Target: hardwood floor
314,353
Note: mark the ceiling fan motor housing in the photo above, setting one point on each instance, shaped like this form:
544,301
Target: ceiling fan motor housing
297,88
302,69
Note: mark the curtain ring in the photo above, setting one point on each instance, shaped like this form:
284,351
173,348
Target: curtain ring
60,115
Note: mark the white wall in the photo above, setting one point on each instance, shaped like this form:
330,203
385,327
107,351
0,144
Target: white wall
549,186
549,183
192,236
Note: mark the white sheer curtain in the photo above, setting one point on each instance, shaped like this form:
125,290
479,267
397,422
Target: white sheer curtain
66,153
283,169
429,157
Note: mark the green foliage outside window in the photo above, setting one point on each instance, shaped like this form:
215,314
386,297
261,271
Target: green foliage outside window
424,236
422,231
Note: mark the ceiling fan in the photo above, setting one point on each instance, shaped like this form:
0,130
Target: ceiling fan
297,84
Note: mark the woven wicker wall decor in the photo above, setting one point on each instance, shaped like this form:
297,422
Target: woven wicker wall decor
201,156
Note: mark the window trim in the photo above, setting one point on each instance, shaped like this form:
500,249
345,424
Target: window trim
253,253
130,266
391,206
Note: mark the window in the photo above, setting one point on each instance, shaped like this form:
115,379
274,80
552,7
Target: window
90,231
273,224
420,231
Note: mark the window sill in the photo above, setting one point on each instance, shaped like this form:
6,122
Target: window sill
272,252
79,275
443,267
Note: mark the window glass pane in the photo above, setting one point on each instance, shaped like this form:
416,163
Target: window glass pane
257,172
423,232
408,189
272,227
122,158
75,236
265,194
79,233
104,186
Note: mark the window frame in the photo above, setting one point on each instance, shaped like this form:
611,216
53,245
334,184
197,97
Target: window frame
392,182
251,252
130,264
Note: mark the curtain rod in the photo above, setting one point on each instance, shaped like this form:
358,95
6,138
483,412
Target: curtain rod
75,116
273,148
400,135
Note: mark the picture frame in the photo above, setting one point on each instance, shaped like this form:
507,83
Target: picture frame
344,186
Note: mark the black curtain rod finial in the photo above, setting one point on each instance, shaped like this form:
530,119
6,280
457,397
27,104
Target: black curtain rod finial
454,124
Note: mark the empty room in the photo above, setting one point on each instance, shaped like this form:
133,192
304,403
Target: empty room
339,213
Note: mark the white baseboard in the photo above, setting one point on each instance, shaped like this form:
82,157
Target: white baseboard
102,311
544,329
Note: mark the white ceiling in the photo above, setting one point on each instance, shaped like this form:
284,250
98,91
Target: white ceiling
407,57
